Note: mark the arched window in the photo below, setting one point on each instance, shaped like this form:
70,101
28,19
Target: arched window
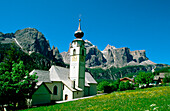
55,90
74,51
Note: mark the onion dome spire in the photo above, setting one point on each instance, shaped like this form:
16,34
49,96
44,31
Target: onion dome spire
79,33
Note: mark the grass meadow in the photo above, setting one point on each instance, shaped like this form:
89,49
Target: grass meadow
148,99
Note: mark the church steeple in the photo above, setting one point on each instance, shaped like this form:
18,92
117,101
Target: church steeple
77,59
79,33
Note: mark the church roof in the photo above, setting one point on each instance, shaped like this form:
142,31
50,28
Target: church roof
42,75
57,73
89,79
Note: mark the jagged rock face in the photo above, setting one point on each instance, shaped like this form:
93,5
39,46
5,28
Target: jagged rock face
32,40
139,55
109,47
118,57
56,54
6,38
111,56
94,57
66,57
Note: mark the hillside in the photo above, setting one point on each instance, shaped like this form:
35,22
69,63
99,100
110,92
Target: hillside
148,99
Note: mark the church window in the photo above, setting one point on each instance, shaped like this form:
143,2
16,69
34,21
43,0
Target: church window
55,90
82,52
74,51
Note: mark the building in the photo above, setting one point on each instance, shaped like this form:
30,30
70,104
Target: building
125,79
159,78
42,94
67,84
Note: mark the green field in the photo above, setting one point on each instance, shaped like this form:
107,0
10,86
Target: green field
149,99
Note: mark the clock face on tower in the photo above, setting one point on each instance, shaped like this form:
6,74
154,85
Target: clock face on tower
74,58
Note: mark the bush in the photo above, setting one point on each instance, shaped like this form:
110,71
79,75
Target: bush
107,89
101,85
114,86
122,86
144,78
128,85
166,79
136,85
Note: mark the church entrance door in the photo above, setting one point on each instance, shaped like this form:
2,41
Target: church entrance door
66,97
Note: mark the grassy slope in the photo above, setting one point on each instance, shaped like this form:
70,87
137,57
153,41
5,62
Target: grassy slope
134,100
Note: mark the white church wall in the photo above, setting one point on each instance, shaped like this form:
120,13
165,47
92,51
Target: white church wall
67,92
74,68
59,90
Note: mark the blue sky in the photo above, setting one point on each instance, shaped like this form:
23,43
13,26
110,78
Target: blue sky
137,24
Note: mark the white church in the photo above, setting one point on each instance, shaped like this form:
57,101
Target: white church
61,83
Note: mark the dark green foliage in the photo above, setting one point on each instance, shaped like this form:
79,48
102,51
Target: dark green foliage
114,86
115,73
128,85
108,80
15,82
122,86
159,70
107,89
101,85
144,78
10,52
167,78
41,61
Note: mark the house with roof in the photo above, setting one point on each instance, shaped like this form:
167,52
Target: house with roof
159,78
63,83
125,79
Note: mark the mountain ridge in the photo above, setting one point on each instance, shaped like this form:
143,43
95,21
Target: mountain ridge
31,40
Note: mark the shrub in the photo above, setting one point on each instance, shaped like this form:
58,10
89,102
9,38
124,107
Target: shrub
166,79
144,78
101,85
122,86
128,85
107,89
114,86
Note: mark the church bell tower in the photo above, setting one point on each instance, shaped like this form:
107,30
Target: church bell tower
77,59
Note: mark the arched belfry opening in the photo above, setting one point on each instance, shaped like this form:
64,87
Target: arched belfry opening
74,52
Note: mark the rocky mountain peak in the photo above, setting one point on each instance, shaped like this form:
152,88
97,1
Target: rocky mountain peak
31,40
110,56
88,43
53,47
139,55
109,47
